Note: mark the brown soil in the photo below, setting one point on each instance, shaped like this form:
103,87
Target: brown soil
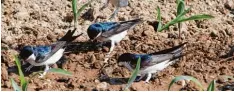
41,22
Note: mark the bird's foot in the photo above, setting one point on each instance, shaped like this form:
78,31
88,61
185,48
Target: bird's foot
146,82
41,75
29,68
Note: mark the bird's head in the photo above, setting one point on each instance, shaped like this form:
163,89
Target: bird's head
94,31
127,58
26,52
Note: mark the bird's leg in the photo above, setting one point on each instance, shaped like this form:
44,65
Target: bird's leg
115,12
105,5
111,49
149,75
45,71
28,68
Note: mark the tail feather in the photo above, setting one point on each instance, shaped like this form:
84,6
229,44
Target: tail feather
68,37
176,51
135,21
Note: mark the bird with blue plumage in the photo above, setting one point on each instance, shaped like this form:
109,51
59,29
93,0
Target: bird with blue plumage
48,54
110,31
153,62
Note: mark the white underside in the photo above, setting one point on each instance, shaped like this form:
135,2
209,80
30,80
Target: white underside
152,69
156,68
117,38
53,59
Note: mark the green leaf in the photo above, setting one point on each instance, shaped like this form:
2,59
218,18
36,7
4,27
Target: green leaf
196,17
174,21
60,71
74,9
159,19
14,85
180,7
211,87
23,82
134,75
178,78
178,1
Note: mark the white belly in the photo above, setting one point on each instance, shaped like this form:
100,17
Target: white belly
53,59
155,68
117,38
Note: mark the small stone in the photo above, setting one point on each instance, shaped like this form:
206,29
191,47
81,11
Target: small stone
214,33
229,4
164,35
87,89
102,86
108,70
7,84
97,65
4,72
52,37
221,80
92,59
138,86
229,31
96,81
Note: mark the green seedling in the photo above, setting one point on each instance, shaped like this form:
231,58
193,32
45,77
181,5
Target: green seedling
23,82
181,11
76,13
178,78
211,87
134,74
159,19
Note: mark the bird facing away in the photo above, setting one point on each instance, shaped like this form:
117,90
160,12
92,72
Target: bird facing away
113,31
117,4
151,63
46,55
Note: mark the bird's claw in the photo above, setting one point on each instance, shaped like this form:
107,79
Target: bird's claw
28,68
41,75
146,82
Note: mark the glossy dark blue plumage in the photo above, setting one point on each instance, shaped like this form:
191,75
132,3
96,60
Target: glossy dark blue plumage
96,28
38,51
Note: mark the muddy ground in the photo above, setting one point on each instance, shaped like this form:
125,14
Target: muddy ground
41,22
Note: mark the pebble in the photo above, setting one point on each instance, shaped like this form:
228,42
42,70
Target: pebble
229,4
102,86
214,33
4,72
92,59
164,35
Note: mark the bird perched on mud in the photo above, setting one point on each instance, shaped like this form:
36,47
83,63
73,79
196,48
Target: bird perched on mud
113,31
117,4
46,55
151,63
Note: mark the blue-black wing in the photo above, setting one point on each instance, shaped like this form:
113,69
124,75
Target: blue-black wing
45,53
120,27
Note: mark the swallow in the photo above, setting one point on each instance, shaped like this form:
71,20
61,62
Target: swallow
46,55
110,31
117,4
151,63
